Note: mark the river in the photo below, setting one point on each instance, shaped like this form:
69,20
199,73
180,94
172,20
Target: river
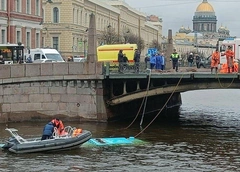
204,139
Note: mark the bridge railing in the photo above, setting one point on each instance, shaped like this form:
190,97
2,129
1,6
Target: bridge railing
115,67
30,70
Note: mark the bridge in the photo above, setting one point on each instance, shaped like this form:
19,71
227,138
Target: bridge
94,92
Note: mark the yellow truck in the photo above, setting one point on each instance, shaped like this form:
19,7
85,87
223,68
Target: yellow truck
109,53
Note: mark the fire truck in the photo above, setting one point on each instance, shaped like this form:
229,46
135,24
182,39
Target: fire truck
223,45
234,43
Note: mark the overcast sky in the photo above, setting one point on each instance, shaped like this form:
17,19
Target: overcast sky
177,13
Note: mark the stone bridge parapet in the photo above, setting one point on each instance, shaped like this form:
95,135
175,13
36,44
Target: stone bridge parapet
45,90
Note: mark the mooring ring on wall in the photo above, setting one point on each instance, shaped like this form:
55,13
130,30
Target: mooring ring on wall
78,104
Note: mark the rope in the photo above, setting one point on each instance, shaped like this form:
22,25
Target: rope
161,109
145,97
221,83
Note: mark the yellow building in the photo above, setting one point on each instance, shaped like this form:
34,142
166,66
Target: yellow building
66,23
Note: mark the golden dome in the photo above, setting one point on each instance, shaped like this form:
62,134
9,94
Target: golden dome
205,7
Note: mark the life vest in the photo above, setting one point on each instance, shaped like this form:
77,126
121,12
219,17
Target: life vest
61,128
174,55
76,132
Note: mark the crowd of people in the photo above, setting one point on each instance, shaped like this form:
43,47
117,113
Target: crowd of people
214,64
123,60
157,61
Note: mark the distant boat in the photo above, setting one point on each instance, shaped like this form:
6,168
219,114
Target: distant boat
17,144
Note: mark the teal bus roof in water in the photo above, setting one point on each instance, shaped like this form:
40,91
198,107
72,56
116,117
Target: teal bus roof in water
113,141
117,141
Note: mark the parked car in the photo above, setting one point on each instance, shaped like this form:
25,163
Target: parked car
79,59
44,61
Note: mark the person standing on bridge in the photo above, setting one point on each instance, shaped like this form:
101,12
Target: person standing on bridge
229,55
120,61
190,60
136,59
174,57
215,61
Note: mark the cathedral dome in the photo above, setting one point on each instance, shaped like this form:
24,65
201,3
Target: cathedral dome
205,7
182,30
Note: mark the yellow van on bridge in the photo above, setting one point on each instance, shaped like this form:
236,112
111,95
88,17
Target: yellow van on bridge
109,53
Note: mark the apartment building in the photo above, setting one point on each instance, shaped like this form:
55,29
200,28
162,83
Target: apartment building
66,23
21,22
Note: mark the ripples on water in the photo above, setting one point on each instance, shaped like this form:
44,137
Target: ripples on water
206,138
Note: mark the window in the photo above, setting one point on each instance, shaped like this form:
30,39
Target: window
17,5
85,19
43,40
55,15
37,8
3,4
73,15
28,39
55,43
81,16
36,56
28,7
77,16
43,15
18,36
37,40
3,36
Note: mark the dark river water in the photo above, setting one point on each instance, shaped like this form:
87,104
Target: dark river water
204,139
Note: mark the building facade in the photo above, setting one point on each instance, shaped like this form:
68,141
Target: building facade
21,22
65,24
204,34
204,19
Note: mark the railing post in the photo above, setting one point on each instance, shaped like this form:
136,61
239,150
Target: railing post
124,88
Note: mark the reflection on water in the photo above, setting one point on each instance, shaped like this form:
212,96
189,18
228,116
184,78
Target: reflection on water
205,138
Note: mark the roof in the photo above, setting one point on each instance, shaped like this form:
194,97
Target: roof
205,7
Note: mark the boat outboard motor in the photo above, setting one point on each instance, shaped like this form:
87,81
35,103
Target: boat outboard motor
10,142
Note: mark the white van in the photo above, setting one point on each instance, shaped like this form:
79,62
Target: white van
45,54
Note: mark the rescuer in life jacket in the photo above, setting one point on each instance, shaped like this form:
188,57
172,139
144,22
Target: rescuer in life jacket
215,60
59,126
229,56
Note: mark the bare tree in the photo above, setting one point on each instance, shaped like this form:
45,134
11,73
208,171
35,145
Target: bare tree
109,36
134,39
155,44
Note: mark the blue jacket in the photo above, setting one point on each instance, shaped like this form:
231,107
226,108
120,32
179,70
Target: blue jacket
153,59
48,129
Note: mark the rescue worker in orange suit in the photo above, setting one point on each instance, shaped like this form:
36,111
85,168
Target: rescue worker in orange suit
60,126
215,60
229,55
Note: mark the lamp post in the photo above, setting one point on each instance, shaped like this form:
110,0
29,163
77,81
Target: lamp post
19,57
